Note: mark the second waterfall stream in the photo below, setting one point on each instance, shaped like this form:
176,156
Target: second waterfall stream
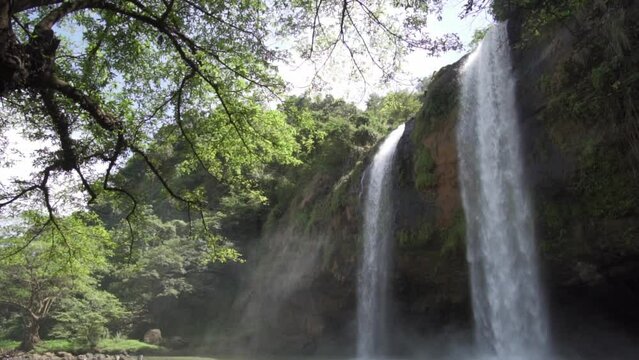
510,315
374,266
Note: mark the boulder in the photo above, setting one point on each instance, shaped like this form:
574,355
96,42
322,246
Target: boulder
153,337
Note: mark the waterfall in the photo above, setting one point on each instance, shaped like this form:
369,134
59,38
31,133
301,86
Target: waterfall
509,311
375,264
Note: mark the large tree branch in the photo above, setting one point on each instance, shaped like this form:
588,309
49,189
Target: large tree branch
23,5
61,126
104,119
20,194
45,306
44,187
86,184
159,176
28,242
315,24
65,9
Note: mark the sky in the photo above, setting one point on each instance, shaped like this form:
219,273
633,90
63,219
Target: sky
18,148
416,66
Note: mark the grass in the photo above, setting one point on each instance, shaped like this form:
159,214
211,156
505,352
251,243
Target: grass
8,344
44,346
106,345
54,345
115,345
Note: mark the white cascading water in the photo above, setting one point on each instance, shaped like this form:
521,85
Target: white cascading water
375,261
510,315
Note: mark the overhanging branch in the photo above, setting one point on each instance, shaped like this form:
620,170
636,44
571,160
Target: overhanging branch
104,119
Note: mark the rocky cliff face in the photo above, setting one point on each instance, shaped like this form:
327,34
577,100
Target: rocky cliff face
577,88
431,281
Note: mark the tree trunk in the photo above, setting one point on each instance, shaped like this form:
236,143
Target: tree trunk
31,334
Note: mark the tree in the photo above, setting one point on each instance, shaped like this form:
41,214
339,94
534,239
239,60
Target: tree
392,109
44,261
165,254
478,36
204,66
85,317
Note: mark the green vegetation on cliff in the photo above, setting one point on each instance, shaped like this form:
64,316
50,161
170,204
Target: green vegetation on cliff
424,170
592,120
536,16
342,139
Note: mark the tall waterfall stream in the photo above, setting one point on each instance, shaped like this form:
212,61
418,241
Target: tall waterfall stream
375,261
509,311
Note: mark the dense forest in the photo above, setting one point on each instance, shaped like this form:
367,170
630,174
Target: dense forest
178,185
